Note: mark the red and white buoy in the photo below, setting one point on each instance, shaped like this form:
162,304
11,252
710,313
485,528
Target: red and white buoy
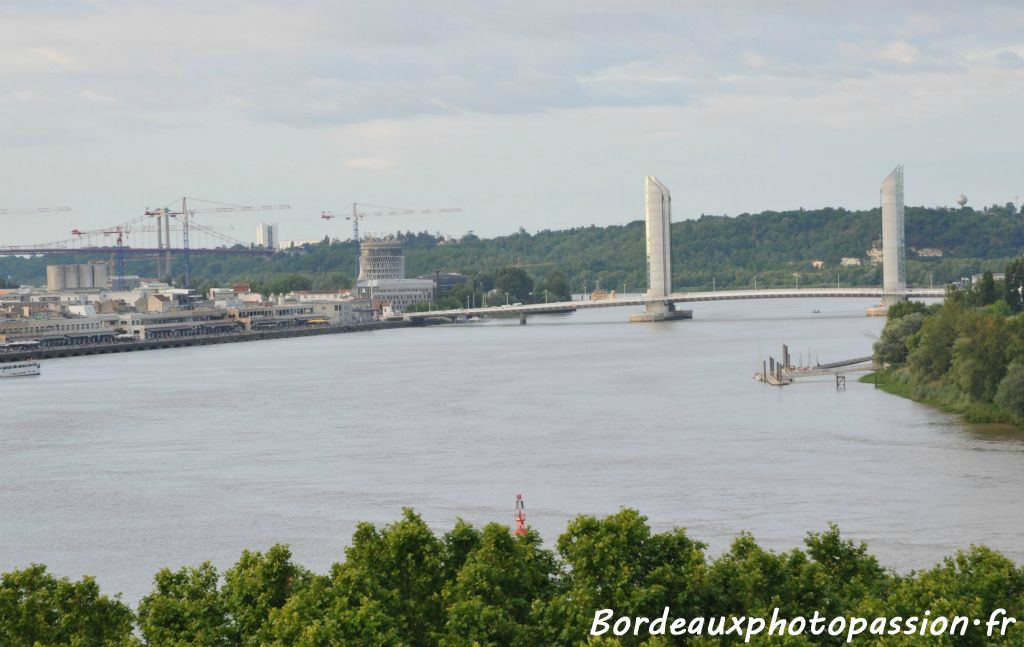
520,516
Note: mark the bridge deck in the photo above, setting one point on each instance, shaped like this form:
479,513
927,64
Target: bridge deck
683,297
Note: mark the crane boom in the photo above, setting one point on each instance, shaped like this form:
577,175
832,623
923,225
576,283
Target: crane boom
358,215
11,212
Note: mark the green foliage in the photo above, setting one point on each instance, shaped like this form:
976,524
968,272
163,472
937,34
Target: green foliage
979,355
490,599
892,346
402,585
1013,285
185,608
37,608
966,355
514,282
257,585
617,563
1010,393
556,286
770,246
932,354
903,308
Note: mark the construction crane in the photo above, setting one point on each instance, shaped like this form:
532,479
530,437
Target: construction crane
358,215
118,283
11,212
519,263
120,231
185,215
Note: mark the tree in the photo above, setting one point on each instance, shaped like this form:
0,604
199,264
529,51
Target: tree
392,576
255,586
490,600
1010,393
933,352
37,608
986,289
1013,287
557,287
892,346
903,308
515,282
979,355
617,563
185,608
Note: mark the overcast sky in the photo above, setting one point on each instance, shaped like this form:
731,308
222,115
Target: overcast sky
535,114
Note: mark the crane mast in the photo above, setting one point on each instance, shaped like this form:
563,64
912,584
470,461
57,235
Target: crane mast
185,216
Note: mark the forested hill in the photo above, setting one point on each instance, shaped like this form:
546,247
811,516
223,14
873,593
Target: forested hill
733,250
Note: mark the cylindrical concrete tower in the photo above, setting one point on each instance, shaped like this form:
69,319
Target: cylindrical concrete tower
381,259
894,282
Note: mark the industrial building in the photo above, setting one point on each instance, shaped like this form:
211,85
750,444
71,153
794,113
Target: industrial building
82,276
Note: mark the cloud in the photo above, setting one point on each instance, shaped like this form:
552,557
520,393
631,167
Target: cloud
368,163
1008,59
899,52
93,96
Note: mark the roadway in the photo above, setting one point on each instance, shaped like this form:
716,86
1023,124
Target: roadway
681,297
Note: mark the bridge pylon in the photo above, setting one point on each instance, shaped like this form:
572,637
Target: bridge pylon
894,263
658,216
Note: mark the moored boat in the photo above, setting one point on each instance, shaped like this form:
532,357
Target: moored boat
20,368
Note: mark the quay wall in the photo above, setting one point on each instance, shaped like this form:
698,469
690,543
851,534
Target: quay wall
198,340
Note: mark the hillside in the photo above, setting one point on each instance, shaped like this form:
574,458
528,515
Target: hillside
733,250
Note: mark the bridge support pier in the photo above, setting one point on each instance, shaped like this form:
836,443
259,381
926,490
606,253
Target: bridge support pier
665,311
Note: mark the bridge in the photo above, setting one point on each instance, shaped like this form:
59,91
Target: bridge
659,302
27,250
679,297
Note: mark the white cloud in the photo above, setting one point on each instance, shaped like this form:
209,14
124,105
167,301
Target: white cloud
368,163
898,51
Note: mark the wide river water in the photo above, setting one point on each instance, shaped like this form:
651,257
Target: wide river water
118,465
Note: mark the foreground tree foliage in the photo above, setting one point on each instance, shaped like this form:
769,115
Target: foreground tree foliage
404,585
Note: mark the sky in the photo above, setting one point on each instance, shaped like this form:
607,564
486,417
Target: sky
535,114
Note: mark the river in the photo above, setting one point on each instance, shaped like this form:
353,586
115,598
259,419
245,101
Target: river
118,465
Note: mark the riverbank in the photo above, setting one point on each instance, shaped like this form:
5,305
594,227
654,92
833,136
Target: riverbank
197,340
897,381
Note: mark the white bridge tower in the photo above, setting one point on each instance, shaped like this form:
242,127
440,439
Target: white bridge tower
658,216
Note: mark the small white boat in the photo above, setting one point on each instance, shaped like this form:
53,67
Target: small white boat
19,369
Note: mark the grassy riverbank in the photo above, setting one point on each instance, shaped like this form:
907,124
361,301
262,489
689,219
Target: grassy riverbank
898,381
